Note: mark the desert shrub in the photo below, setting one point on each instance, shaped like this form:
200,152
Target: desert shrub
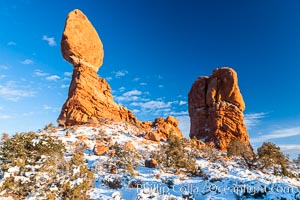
50,128
269,155
120,160
170,182
35,164
36,159
4,137
209,153
297,160
175,154
135,183
238,148
113,181
29,148
79,179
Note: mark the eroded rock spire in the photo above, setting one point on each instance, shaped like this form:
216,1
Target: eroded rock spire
216,109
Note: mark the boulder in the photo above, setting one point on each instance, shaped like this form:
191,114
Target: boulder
152,136
68,134
82,137
129,146
151,163
80,43
167,126
100,149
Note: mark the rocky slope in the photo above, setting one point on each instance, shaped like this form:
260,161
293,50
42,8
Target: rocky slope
220,177
216,109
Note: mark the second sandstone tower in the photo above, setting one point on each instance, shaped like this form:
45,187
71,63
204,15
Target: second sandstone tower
216,109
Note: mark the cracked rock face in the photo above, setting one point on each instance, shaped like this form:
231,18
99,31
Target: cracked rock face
216,109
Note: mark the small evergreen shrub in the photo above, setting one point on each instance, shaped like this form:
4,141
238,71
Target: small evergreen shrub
35,164
269,155
135,183
175,154
113,181
238,148
209,153
4,137
50,128
120,160
80,178
35,160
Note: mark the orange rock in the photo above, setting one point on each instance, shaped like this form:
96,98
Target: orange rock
172,120
108,141
113,171
89,99
82,137
68,134
216,109
100,149
167,126
129,146
152,136
151,163
197,144
80,42
146,125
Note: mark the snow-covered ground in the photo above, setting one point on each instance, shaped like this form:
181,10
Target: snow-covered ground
223,179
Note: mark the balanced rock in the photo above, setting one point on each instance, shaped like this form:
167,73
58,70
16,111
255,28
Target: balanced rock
89,99
216,108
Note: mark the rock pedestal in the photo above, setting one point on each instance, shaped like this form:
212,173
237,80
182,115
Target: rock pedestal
89,99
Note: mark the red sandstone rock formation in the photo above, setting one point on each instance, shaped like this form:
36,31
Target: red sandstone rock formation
167,126
216,109
89,99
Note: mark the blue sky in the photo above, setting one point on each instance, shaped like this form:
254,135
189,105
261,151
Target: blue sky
154,51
